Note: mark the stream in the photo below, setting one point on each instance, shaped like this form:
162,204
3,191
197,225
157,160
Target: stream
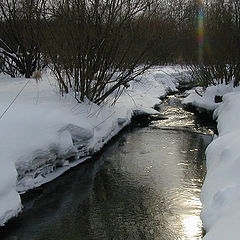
145,185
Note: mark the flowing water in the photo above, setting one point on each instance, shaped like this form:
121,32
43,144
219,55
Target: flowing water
145,185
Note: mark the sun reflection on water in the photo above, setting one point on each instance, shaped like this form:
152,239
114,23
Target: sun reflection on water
178,118
191,222
192,227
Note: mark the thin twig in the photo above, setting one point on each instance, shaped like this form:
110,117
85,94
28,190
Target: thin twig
14,99
104,120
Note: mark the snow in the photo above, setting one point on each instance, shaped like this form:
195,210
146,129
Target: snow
220,194
44,134
207,100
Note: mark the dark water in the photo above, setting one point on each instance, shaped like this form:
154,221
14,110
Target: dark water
146,185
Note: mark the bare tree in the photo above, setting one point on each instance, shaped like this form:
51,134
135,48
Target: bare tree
221,55
19,46
93,51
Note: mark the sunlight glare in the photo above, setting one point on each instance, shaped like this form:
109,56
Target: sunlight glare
192,226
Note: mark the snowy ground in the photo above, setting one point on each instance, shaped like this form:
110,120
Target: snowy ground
44,134
221,190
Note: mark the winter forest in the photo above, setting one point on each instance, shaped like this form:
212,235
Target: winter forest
152,85
81,41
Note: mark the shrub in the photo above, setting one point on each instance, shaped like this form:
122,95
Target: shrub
19,45
92,46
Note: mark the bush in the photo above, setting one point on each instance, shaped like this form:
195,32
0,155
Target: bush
221,50
19,45
217,73
92,46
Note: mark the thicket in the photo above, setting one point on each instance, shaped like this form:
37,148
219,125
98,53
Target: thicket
19,42
221,48
95,47
91,45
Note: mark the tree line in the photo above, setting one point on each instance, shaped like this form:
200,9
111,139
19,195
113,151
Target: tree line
95,47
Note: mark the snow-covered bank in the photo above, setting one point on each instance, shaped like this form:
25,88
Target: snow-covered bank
44,134
221,190
204,100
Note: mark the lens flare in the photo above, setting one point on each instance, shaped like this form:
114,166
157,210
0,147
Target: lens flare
200,32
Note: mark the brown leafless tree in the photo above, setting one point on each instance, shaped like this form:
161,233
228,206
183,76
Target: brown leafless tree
92,45
19,46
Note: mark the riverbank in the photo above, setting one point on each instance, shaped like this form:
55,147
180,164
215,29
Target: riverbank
142,180
220,193
44,134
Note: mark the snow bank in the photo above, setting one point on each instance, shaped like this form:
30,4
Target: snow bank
43,134
205,100
220,194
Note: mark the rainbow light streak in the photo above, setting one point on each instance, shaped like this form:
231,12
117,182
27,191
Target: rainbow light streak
200,32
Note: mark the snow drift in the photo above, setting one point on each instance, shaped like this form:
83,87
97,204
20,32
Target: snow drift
220,194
